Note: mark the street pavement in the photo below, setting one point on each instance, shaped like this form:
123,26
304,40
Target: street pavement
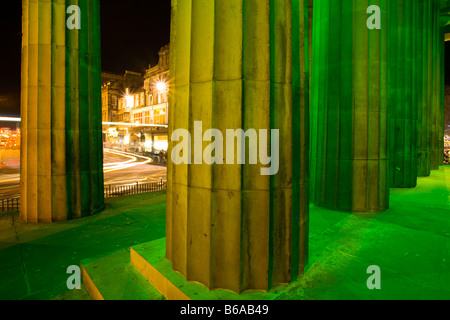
120,169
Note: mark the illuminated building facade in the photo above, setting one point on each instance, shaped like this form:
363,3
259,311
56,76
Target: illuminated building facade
114,86
156,86
138,100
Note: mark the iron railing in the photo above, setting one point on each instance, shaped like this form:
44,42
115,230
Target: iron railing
10,204
13,204
118,191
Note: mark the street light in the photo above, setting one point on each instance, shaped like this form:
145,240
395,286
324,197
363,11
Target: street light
129,99
161,86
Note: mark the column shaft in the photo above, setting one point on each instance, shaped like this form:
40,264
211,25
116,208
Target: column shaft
233,68
402,90
349,154
430,112
62,162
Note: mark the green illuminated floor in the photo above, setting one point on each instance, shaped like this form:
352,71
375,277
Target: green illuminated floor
410,243
34,258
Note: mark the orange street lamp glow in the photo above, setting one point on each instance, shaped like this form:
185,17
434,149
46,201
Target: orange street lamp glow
130,101
161,86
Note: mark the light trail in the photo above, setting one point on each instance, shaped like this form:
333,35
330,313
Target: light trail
126,164
18,119
10,119
124,124
107,167
115,164
8,178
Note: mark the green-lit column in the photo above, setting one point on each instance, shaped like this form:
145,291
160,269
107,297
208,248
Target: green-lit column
443,125
61,155
349,109
437,112
423,39
403,92
430,135
239,64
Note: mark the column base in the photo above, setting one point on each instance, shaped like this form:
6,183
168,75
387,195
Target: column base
143,273
149,260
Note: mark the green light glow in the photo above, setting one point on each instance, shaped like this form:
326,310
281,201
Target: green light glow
377,105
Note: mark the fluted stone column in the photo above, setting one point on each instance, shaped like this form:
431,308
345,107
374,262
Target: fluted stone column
415,90
349,108
239,64
61,155
437,112
424,167
431,126
403,90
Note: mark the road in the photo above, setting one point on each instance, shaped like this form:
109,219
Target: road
123,168
120,169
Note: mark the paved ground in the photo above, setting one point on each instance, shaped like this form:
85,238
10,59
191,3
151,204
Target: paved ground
34,257
410,243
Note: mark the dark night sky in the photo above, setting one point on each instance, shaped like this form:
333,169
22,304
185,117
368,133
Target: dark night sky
11,38
133,31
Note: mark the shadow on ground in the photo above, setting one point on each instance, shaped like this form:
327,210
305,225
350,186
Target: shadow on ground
34,257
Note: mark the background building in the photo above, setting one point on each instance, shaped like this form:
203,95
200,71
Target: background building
141,104
113,88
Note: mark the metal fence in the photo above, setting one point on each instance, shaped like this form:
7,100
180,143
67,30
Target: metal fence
13,204
117,191
9,205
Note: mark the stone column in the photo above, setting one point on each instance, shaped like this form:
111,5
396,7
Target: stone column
437,111
61,155
431,126
403,92
239,64
349,120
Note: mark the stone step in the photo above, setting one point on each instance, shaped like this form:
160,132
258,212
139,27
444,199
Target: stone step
112,277
149,259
